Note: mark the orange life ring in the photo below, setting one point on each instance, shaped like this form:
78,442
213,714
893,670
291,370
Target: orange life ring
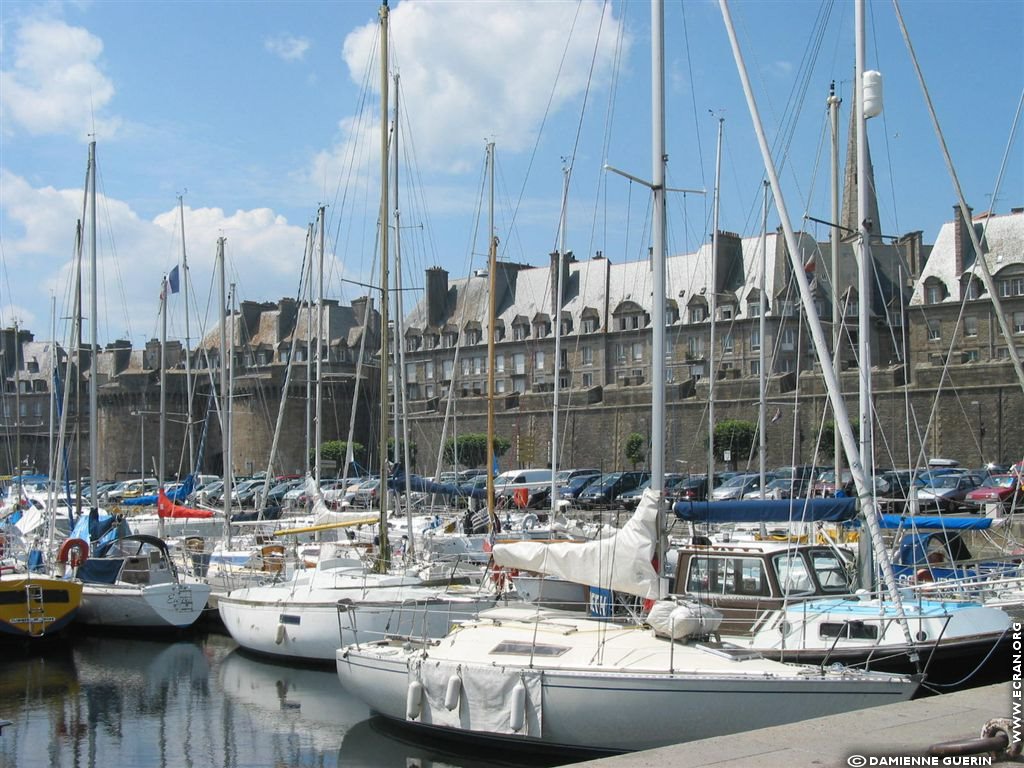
73,552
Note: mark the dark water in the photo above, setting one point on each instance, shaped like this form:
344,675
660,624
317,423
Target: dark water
114,702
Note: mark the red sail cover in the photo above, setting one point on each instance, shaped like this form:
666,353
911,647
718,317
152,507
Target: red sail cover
167,508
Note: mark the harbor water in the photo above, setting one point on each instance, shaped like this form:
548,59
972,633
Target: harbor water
101,701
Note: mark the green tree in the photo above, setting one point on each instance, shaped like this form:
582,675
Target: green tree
334,450
737,437
472,449
636,448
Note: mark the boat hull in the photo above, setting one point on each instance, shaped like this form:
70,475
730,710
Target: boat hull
312,626
155,606
559,680
34,606
622,712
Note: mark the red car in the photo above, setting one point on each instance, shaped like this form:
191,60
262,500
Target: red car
1005,489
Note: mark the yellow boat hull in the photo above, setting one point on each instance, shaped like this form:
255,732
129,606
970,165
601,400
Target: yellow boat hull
33,606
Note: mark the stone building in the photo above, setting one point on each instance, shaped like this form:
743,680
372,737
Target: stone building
266,337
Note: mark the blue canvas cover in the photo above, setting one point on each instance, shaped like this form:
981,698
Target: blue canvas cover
832,510
940,522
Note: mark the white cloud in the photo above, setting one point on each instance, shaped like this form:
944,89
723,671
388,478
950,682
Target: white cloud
471,72
56,85
264,253
287,47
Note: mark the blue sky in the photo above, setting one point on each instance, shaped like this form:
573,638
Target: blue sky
258,112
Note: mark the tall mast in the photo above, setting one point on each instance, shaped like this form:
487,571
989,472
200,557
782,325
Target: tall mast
17,412
188,344
225,406
400,349
713,311
163,399
318,439
385,556
309,356
658,159
93,311
836,237
492,269
762,446
557,288
868,503
864,272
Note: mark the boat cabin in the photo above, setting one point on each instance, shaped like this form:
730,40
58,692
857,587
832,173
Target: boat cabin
744,580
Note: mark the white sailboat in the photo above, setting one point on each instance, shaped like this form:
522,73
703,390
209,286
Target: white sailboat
561,680
341,601
129,582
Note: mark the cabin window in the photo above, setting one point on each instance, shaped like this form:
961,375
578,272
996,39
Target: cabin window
791,571
727,576
830,571
848,630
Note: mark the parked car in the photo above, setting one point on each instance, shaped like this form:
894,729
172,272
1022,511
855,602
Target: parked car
689,488
826,484
947,493
275,496
365,494
630,499
565,475
738,486
209,493
1002,489
603,491
781,488
574,487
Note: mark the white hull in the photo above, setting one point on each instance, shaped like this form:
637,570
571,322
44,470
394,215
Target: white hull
131,606
597,687
311,624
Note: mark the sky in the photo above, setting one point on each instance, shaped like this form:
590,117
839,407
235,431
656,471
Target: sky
257,113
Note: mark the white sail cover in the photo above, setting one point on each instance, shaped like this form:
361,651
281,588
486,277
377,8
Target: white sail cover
620,562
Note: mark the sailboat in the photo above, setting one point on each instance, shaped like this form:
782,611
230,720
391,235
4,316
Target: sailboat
341,600
556,679
129,581
33,604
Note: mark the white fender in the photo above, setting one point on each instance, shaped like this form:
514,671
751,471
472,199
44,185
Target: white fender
517,709
414,700
452,692
280,634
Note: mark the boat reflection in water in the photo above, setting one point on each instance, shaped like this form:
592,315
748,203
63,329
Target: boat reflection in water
383,742
106,701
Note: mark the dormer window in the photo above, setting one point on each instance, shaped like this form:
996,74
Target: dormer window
698,313
431,340
520,330
450,339
934,292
